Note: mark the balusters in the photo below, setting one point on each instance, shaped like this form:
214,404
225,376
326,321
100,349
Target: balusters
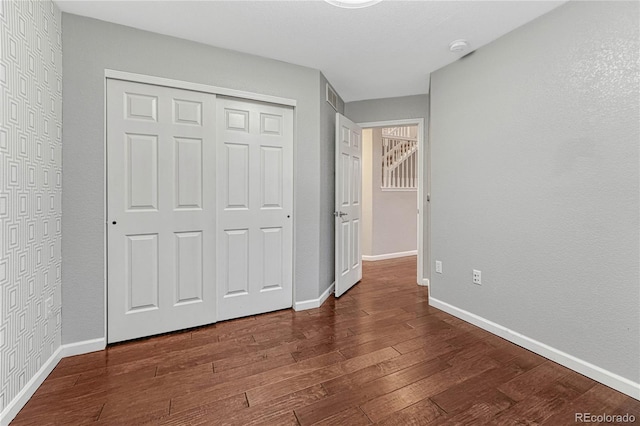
399,158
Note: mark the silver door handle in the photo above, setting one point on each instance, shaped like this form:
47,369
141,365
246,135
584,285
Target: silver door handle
341,215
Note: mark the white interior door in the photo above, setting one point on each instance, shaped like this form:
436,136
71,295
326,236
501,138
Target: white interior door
255,207
348,195
161,209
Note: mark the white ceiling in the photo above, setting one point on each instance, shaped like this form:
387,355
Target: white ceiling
381,51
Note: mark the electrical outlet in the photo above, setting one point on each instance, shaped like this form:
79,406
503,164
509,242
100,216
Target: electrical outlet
477,277
49,305
438,267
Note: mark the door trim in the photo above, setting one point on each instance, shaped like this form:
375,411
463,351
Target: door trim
197,87
422,275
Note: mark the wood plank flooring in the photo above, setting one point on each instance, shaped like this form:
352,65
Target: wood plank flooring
379,354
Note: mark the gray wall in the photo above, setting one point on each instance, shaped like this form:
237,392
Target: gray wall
394,225
388,109
535,171
397,109
30,192
90,46
327,186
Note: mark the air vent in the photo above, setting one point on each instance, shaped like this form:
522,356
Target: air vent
332,97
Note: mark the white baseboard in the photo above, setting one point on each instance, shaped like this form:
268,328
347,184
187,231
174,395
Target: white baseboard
389,255
314,303
598,374
85,347
425,282
20,400
13,408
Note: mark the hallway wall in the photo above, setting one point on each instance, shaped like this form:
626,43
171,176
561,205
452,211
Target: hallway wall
393,214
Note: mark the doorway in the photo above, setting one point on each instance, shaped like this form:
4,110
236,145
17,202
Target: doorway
393,185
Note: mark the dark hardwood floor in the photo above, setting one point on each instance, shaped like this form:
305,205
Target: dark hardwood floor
379,354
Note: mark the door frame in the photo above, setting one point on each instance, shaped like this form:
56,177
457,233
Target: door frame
423,277
110,74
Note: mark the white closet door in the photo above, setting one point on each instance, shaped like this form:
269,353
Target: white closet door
161,209
255,206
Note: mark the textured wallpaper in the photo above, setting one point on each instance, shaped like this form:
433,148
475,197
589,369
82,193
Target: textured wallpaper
31,189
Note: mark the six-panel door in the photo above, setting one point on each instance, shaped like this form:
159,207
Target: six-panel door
255,204
161,209
348,194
